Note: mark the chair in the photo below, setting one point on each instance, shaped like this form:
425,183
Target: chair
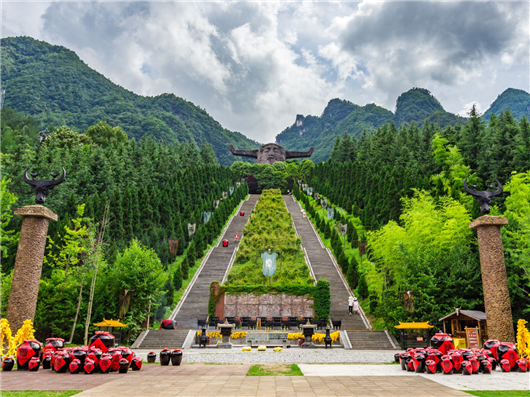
213,322
263,321
336,323
322,322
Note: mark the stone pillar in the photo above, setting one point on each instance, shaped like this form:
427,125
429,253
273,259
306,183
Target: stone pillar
494,280
28,264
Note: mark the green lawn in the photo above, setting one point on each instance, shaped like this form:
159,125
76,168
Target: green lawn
502,393
275,370
40,393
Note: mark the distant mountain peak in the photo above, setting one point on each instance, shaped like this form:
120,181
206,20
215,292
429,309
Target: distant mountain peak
515,100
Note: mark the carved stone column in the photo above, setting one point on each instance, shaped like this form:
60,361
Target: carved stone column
28,264
494,280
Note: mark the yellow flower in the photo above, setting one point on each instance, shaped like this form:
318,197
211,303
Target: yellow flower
523,339
25,332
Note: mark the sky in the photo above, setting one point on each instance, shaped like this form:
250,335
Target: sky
255,65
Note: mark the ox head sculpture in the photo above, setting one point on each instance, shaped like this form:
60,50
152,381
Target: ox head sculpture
484,197
43,187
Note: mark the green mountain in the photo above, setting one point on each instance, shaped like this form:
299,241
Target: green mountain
416,105
516,101
51,84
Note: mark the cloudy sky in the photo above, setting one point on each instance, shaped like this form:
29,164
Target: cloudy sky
255,65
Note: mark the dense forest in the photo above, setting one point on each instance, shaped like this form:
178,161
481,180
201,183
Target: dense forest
51,84
402,190
119,207
417,105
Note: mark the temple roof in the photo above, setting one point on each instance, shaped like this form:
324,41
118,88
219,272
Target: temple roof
110,323
474,314
414,325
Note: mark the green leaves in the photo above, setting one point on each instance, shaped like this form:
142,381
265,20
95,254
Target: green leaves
7,199
137,272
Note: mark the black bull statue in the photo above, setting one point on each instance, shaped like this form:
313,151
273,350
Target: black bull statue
483,197
42,187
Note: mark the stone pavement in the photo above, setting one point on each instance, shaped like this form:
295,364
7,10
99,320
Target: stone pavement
271,386
496,381
230,380
45,379
295,355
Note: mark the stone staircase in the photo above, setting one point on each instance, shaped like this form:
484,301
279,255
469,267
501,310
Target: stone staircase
323,267
161,338
195,304
370,340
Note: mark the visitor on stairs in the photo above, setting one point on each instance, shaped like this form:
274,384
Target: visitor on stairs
350,305
356,306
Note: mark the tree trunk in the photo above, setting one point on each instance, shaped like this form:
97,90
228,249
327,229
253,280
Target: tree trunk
77,311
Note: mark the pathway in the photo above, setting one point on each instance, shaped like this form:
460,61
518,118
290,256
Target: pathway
271,386
195,304
323,267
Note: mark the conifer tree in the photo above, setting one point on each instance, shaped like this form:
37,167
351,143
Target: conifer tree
362,288
177,279
353,274
184,267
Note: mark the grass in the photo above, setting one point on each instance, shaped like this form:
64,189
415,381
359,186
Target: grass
499,393
275,370
270,226
40,393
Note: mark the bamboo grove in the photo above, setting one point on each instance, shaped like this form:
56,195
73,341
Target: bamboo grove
405,188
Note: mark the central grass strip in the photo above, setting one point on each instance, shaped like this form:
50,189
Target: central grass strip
270,226
275,370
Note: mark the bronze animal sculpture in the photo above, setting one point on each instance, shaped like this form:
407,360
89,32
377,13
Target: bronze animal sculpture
42,187
270,153
484,197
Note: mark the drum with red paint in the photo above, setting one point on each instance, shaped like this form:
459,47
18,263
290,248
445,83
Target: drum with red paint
61,361
136,364
8,363
34,364
447,365
89,366
116,358
124,366
102,340
105,363
26,351
467,368
430,366
75,366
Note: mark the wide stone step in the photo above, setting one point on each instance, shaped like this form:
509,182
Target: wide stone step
195,305
158,339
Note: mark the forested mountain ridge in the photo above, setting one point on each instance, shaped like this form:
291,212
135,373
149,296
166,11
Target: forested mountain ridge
516,101
417,105
55,87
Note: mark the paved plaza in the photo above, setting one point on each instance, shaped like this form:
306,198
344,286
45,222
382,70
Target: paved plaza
231,380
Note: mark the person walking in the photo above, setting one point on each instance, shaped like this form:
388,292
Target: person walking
350,305
356,309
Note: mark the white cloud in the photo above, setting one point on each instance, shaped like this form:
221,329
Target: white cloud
254,66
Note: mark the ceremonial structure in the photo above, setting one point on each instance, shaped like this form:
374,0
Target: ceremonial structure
270,153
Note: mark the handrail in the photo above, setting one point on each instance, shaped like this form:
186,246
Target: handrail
231,263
